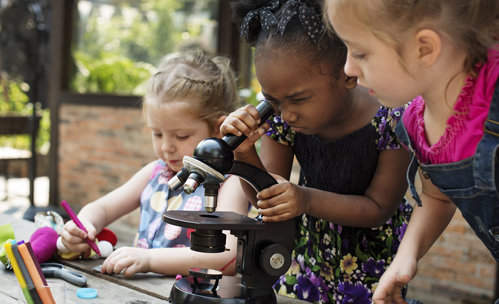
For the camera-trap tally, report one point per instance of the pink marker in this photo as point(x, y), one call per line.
point(75, 219)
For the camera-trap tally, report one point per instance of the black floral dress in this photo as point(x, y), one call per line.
point(333, 263)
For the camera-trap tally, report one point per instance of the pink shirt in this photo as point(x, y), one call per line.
point(465, 127)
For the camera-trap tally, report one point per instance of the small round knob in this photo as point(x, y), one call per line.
point(275, 260)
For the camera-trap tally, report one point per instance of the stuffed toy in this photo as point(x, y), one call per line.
point(43, 241)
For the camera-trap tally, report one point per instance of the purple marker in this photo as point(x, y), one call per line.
point(75, 219)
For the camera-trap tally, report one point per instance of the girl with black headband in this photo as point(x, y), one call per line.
point(352, 214)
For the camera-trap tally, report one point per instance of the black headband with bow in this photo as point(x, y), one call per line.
point(267, 18)
point(309, 19)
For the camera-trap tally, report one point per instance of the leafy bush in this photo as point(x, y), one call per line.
point(15, 101)
point(109, 73)
point(116, 45)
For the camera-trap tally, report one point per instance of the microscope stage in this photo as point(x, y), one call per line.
point(218, 220)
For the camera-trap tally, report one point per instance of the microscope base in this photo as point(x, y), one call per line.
point(229, 291)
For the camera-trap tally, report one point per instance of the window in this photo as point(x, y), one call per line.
point(116, 44)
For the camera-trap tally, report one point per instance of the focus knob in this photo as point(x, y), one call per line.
point(275, 260)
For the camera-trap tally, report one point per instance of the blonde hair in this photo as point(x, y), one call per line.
point(208, 82)
point(472, 25)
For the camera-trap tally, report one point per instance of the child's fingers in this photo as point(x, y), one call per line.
point(122, 261)
point(114, 264)
point(389, 289)
point(74, 244)
point(271, 191)
point(397, 291)
point(122, 266)
point(91, 233)
point(253, 112)
point(248, 116)
point(227, 127)
point(269, 207)
point(73, 230)
point(70, 238)
point(272, 202)
point(75, 247)
point(390, 297)
point(110, 262)
point(274, 209)
point(279, 217)
point(132, 269)
point(106, 264)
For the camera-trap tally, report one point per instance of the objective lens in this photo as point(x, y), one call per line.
point(193, 182)
point(178, 180)
point(190, 185)
point(210, 203)
point(174, 183)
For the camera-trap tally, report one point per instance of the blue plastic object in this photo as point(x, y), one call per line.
point(86, 293)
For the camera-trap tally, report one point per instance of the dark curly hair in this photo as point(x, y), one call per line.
point(327, 48)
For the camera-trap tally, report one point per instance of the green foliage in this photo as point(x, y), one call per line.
point(249, 96)
point(115, 52)
point(43, 138)
point(14, 101)
point(110, 73)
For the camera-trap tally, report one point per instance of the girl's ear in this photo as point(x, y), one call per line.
point(429, 46)
point(350, 82)
point(218, 123)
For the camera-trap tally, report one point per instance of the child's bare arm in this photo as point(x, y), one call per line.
point(372, 209)
point(426, 225)
point(103, 211)
point(428, 221)
point(172, 261)
point(169, 261)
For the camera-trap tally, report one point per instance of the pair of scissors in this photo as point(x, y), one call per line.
point(57, 270)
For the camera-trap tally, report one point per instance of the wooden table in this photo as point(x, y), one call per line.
point(148, 287)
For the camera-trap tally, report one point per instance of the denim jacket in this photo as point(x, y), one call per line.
point(472, 183)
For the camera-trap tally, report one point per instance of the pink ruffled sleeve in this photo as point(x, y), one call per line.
point(465, 128)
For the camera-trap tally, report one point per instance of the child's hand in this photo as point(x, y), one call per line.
point(245, 121)
point(282, 201)
point(398, 274)
point(127, 260)
point(74, 239)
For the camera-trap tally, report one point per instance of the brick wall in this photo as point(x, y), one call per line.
point(458, 269)
point(100, 149)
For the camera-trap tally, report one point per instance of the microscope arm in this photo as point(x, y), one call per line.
point(255, 176)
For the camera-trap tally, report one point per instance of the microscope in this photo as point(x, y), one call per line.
point(263, 249)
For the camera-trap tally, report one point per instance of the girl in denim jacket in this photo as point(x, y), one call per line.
point(444, 56)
